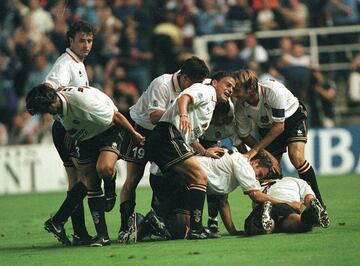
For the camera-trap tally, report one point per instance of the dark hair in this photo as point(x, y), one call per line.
point(195, 69)
point(222, 74)
point(264, 160)
point(39, 99)
point(79, 26)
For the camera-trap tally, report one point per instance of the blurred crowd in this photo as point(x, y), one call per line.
point(137, 40)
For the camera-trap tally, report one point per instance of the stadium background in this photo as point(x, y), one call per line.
point(32, 35)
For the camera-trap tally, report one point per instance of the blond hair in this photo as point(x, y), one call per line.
point(246, 79)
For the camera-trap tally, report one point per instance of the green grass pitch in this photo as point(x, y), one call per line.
point(23, 241)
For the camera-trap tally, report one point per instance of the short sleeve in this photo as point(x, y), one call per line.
point(58, 76)
point(244, 173)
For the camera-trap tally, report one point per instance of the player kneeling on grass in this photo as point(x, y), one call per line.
point(267, 217)
point(93, 120)
point(224, 175)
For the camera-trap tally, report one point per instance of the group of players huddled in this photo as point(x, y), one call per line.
point(176, 125)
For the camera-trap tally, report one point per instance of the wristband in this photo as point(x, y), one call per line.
point(183, 115)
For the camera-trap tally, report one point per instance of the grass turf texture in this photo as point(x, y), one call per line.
point(23, 241)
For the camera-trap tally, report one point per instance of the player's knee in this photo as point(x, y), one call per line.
point(199, 177)
point(105, 171)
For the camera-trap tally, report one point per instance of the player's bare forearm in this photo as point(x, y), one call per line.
point(182, 104)
point(225, 213)
point(120, 120)
point(276, 130)
point(260, 197)
point(155, 116)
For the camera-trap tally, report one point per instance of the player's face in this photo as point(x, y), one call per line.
point(224, 88)
point(260, 171)
point(81, 44)
point(240, 94)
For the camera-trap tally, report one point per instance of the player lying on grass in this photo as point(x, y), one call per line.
point(91, 118)
point(224, 175)
point(268, 217)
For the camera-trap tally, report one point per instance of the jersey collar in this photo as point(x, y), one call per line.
point(73, 55)
point(64, 104)
point(175, 82)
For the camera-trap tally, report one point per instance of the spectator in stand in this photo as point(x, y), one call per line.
point(317, 12)
point(40, 18)
point(239, 15)
point(321, 102)
point(209, 20)
point(9, 66)
point(344, 12)
point(266, 16)
point(295, 14)
point(230, 60)
point(253, 51)
point(136, 58)
point(39, 72)
point(297, 71)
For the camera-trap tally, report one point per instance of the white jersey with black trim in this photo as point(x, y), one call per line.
point(228, 173)
point(200, 110)
point(216, 133)
point(288, 189)
point(276, 103)
point(86, 111)
point(68, 70)
point(161, 92)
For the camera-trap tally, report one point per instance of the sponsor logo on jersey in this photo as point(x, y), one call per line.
point(80, 74)
point(155, 103)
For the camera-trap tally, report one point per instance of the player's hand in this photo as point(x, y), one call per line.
point(250, 154)
point(185, 125)
point(139, 138)
point(214, 152)
point(276, 168)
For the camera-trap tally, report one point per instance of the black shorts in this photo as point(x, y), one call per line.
point(58, 135)
point(88, 151)
point(132, 151)
point(279, 213)
point(295, 131)
point(166, 146)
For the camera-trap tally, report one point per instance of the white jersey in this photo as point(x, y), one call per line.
point(228, 173)
point(216, 133)
point(224, 174)
point(200, 110)
point(161, 92)
point(68, 70)
point(276, 103)
point(288, 189)
point(87, 111)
